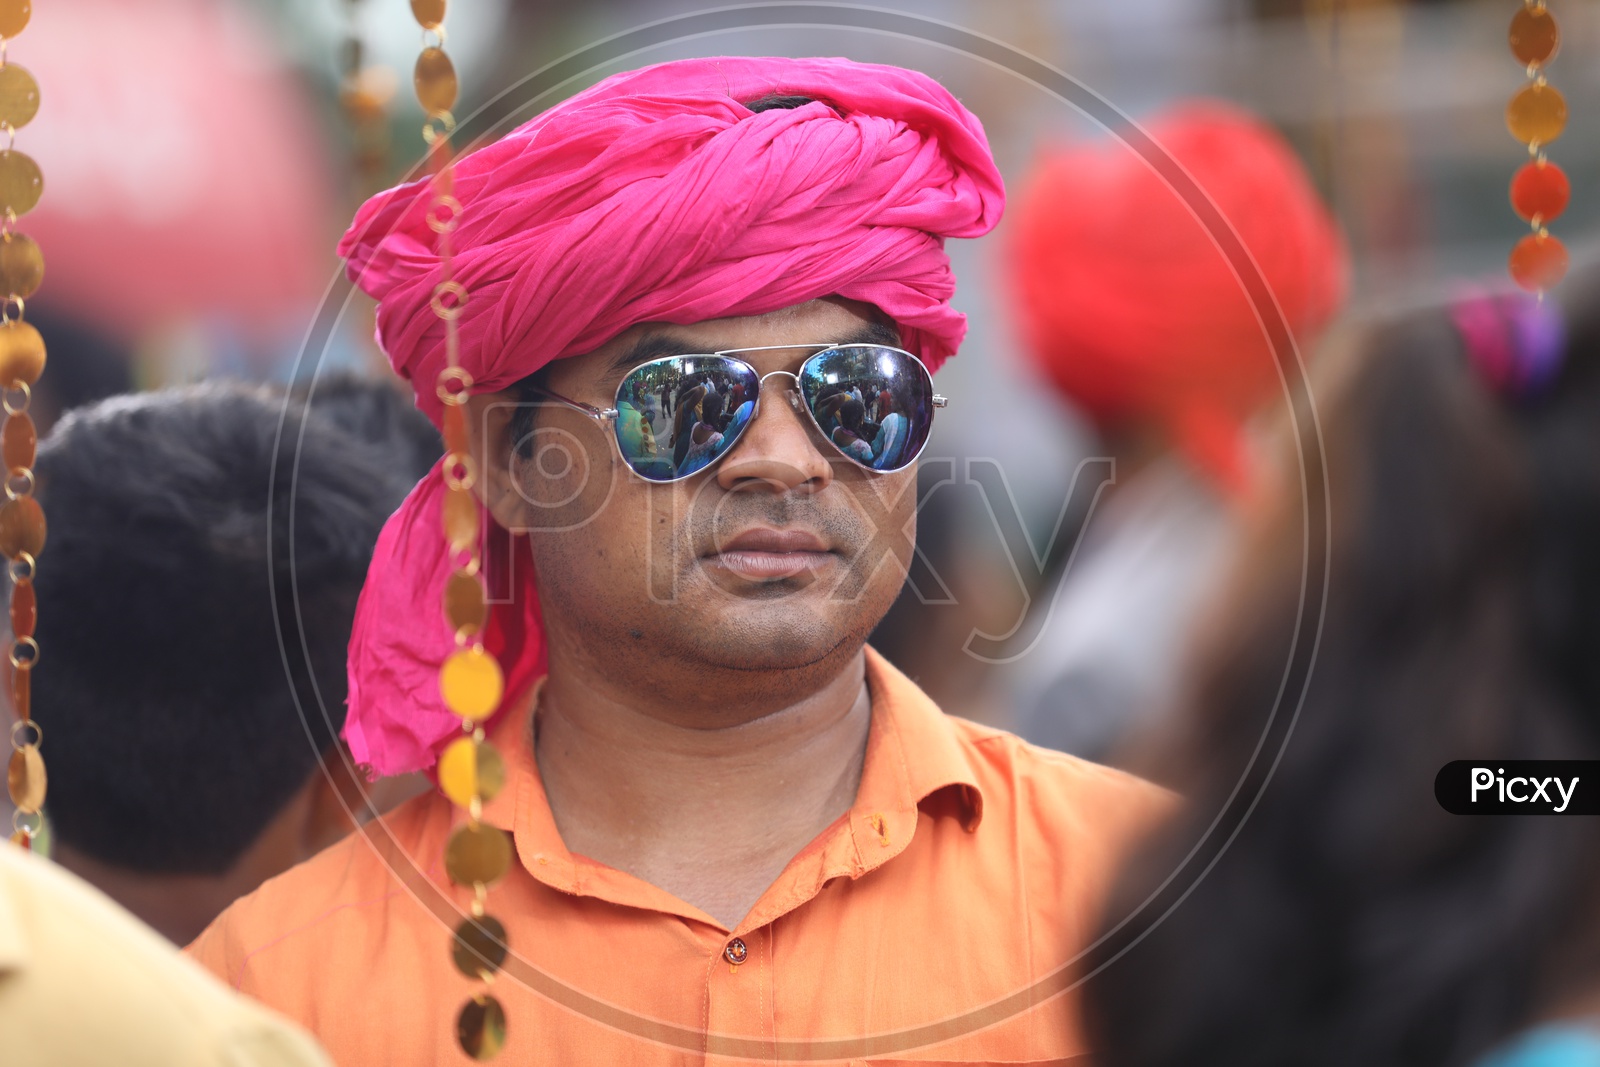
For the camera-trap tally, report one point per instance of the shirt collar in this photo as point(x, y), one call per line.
point(914, 757)
point(915, 763)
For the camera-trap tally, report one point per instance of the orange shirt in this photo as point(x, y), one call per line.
point(930, 924)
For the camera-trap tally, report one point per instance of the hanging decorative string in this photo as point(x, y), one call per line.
point(22, 357)
point(364, 92)
point(1536, 116)
point(471, 683)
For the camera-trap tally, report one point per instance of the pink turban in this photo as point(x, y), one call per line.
point(655, 196)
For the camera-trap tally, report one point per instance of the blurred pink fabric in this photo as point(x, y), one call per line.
point(655, 196)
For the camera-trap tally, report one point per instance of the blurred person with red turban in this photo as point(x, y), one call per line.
point(1132, 312)
point(734, 823)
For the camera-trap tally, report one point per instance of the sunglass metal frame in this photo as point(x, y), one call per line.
point(796, 400)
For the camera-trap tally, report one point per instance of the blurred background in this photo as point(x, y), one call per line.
point(201, 158)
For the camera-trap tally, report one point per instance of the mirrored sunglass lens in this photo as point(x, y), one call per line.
point(679, 414)
point(874, 403)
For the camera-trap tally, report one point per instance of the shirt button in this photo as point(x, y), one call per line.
point(736, 952)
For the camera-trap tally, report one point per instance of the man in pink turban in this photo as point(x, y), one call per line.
point(702, 298)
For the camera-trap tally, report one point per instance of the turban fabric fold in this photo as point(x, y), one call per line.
point(1126, 302)
point(655, 196)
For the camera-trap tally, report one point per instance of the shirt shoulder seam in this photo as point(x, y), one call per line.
point(237, 980)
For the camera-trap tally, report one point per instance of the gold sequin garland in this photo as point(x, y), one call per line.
point(1536, 115)
point(471, 683)
point(365, 92)
point(22, 357)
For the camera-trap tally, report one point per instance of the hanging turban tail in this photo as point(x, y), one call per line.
point(1129, 307)
point(655, 196)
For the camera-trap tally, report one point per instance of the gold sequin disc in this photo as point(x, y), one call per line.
point(24, 610)
point(21, 263)
point(464, 604)
point(477, 852)
point(22, 527)
point(21, 354)
point(19, 96)
point(429, 13)
point(25, 778)
point(471, 683)
point(18, 441)
point(1537, 113)
point(460, 519)
point(1538, 262)
point(22, 693)
point(14, 15)
point(479, 946)
point(435, 79)
point(20, 182)
point(481, 1027)
point(471, 770)
point(455, 423)
point(1534, 37)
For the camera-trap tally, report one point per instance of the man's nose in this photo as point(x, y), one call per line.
point(779, 447)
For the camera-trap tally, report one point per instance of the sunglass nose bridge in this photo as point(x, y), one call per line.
point(792, 390)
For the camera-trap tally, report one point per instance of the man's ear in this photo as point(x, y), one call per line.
point(560, 478)
point(489, 417)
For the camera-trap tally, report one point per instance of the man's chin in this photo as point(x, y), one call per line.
point(775, 638)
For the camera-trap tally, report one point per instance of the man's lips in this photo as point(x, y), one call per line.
point(764, 554)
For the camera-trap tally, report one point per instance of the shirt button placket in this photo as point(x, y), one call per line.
point(739, 996)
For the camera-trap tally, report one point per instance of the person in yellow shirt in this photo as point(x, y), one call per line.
point(83, 982)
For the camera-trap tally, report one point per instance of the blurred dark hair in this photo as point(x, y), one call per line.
point(851, 412)
point(711, 410)
point(380, 413)
point(168, 692)
point(1352, 921)
point(780, 102)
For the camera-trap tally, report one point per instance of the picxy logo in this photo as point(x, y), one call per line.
point(1519, 787)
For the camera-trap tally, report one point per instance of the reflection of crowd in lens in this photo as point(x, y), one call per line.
point(866, 420)
point(673, 423)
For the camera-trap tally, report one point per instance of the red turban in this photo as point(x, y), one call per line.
point(655, 196)
point(1128, 305)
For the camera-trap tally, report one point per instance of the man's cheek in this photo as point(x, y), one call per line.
point(565, 478)
point(886, 506)
point(659, 522)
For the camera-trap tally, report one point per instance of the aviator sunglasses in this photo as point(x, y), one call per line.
point(678, 415)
